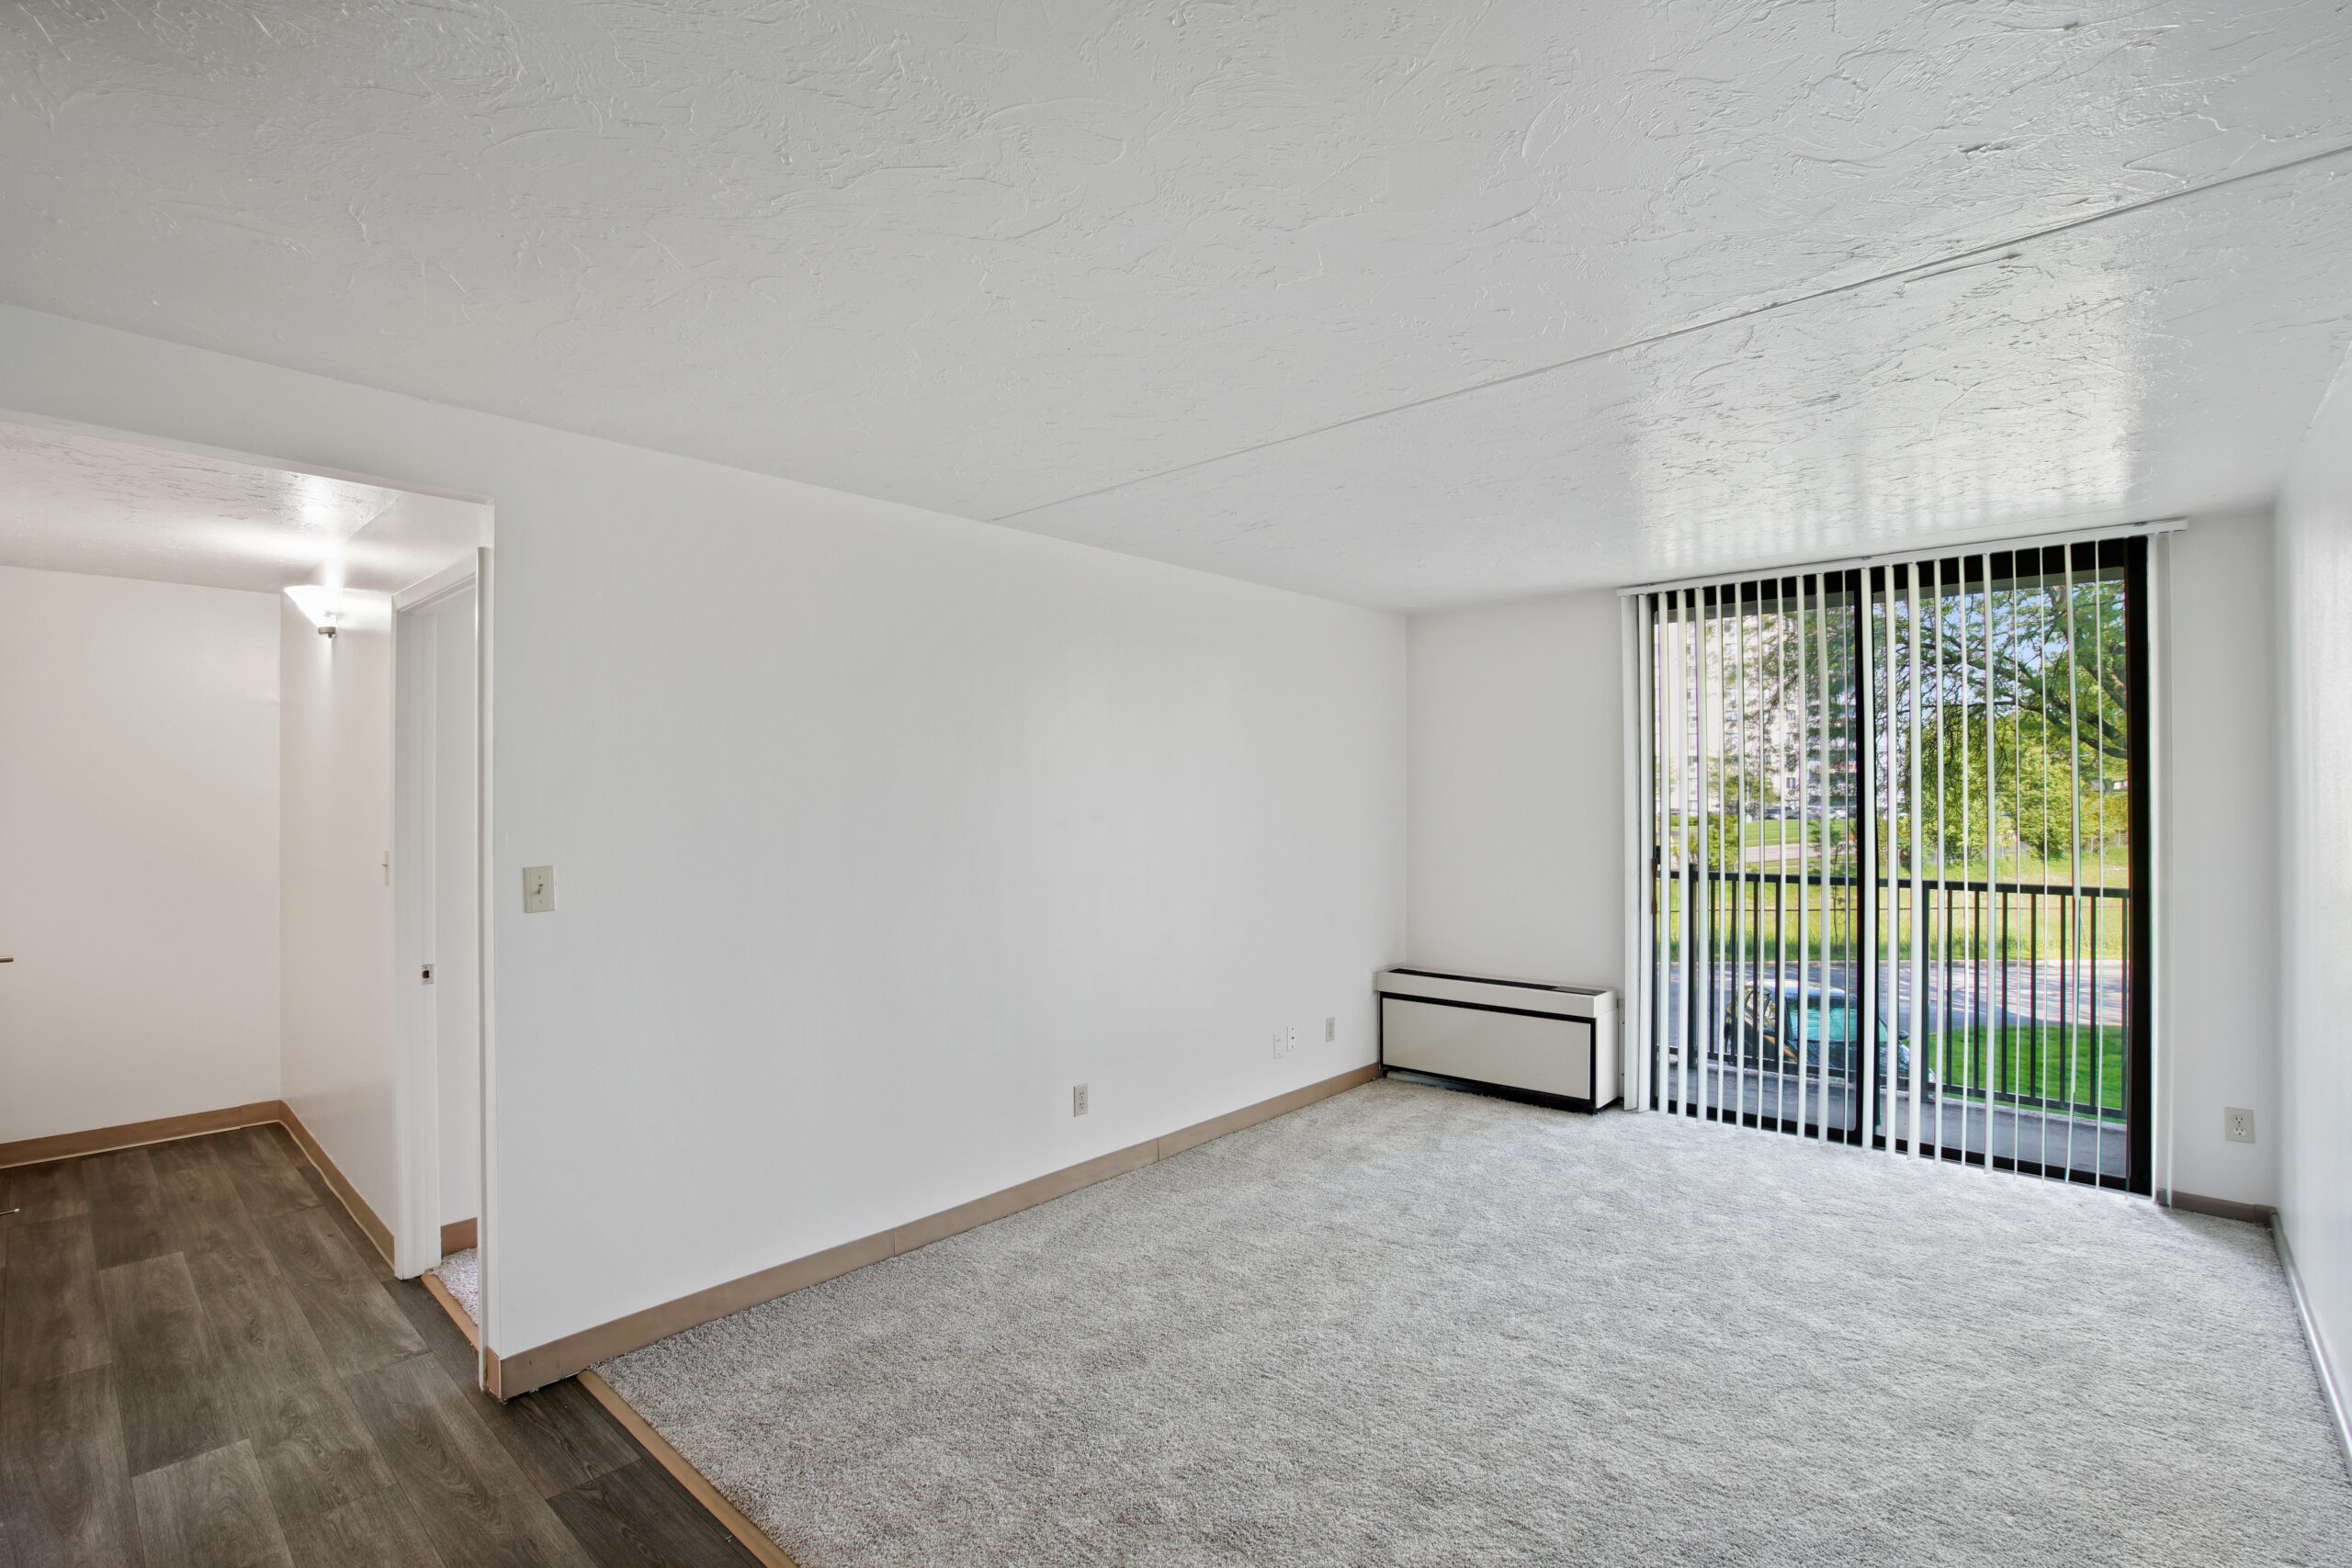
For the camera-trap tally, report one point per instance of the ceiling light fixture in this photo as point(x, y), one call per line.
point(322, 607)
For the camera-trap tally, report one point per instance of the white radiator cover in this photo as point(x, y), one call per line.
point(1532, 1036)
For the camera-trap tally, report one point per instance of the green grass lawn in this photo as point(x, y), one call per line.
point(2033, 1060)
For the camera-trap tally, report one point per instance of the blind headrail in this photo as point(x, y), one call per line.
point(1927, 549)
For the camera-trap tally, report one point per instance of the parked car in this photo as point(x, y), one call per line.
point(1774, 1018)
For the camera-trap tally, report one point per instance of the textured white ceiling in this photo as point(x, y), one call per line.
point(71, 501)
point(1094, 269)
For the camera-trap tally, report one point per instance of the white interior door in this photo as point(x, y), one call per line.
point(439, 968)
point(456, 989)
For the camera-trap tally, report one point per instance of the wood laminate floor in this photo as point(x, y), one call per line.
point(204, 1361)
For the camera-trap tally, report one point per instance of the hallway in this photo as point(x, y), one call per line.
point(204, 1360)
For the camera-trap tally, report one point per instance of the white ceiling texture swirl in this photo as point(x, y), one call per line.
point(1408, 305)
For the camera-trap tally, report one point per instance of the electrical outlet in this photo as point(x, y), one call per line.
point(2237, 1124)
point(538, 889)
point(1290, 1040)
point(1331, 1029)
point(1077, 1100)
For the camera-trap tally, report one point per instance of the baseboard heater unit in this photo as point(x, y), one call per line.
point(1528, 1039)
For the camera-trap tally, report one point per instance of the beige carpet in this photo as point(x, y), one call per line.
point(462, 1271)
point(1412, 1326)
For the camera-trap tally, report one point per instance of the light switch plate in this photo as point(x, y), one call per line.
point(538, 889)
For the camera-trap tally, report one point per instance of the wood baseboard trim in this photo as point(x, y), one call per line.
point(377, 1231)
point(730, 1518)
point(574, 1353)
point(459, 1235)
point(453, 1306)
point(2219, 1207)
point(137, 1134)
point(196, 1125)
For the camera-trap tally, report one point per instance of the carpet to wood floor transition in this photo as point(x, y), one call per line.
point(462, 1272)
point(1412, 1326)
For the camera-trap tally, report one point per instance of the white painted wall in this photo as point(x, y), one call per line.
point(2315, 1080)
point(1517, 843)
point(875, 834)
point(876, 831)
point(1517, 839)
point(336, 1008)
point(139, 801)
point(2221, 772)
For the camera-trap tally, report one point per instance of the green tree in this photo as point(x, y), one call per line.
point(2041, 677)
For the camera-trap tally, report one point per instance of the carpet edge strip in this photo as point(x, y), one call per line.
point(733, 1519)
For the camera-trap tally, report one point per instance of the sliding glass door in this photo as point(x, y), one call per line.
point(1898, 840)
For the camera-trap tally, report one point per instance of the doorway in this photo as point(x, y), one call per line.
point(1899, 831)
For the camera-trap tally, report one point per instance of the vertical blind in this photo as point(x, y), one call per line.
point(1898, 833)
